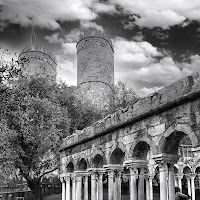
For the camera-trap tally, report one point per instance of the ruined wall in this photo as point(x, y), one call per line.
point(174, 109)
point(95, 67)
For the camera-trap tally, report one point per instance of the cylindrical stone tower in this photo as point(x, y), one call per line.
point(95, 68)
point(37, 60)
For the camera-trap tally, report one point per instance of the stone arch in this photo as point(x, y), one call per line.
point(148, 141)
point(98, 161)
point(70, 167)
point(169, 142)
point(82, 164)
point(118, 145)
point(197, 170)
point(117, 156)
point(187, 170)
point(98, 152)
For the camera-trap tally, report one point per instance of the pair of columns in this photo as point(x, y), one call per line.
point(114, 181)
point(167, 180)
point(137, 172)
point(191, 185)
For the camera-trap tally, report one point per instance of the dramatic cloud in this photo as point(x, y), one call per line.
point(136, 64)
point(44, 13)
point(160, 13)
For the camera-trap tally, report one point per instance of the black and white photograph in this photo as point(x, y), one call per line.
point(99, 100)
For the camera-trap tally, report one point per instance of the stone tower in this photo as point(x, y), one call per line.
point(95, 68)
point(37, 60)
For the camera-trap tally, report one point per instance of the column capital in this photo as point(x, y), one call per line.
point(62, 179)
point(136, 163)
point(167, 158)
point(179, 176)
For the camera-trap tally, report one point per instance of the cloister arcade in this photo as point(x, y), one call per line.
point(137, 155)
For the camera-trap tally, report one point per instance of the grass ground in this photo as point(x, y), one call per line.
point(124, 197)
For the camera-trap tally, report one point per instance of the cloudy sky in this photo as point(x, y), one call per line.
point(156, 42)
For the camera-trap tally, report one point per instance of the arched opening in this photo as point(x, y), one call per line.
point(82, 165)
point(70, 167)
point(98, 161)
point(186, 170)
point(141, 151)
point(117, 156)
point(171, 142)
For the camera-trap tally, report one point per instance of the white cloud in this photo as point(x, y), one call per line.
point(45, 13)
point(135, 64)
point(161, 13)
point(164, 19)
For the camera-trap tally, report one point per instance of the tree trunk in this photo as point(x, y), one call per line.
point(35, 186)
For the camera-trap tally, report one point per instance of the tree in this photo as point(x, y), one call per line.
point(123, 96)
point(36, 123)
point(39, 113)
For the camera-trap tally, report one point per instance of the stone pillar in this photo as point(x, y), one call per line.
point(189, 185)
point(141, 184)
point(171, 182)
point(110, 184)
point(163, 180)
point(147, 188)
point(133, 183)
point(93, 185)
point(193, 186)
point(150, 187)
point(100, 186)
point(118, 185)
point(86, 187)
point(73, 187)
point(179, 177)
point(167, 185)
point(68, 188)
point(79, 187)
point(63, 188)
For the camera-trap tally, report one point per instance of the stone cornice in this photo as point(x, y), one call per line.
point(173, 95)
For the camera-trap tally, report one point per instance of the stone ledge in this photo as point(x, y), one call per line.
point(170, 96)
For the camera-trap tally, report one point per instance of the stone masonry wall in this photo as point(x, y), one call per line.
point(174, 109)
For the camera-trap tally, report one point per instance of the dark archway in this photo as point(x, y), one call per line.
point(98, 161)
point(171, 143)
point(82, 165)
point(187, 170)
point(141, 151)
point(117, 156)
point(70, 167)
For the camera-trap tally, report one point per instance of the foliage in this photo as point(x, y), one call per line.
point(123, 96)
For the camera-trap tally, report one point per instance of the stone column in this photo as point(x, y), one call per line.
point(150, 187)
point(68, 188)
point(189, 185)
point(86, 187)
point(63, 188)
point(163, 180)
point(79, 187)
point(193, 186)
point(171, 182)
point(110, 184)
point(73, 187)
point(147, 188)
point(179, 177)
point(133, 183)
point(93, 185)
point(118, 185)
point(100, 186)
point(141, 184)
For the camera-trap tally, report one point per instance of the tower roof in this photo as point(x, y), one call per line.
point(34, 46)
point(95, 33)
